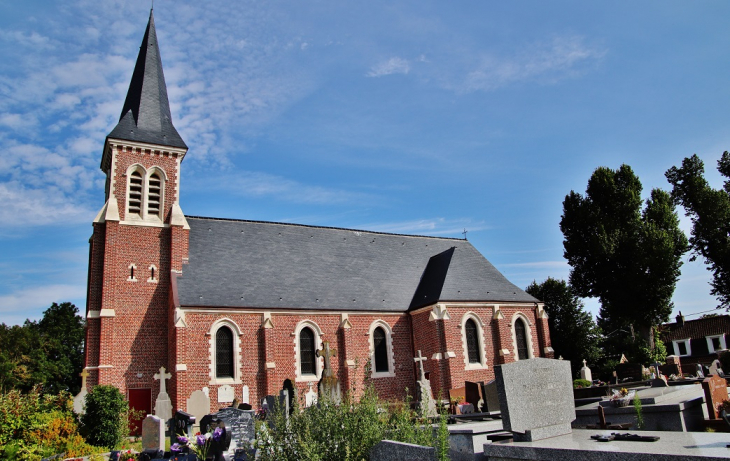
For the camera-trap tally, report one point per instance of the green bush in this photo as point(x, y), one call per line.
point(33, 426)
point(342, 432)
point(578, 383)
point(105, 423)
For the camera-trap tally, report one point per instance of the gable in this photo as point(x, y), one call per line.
point(287, 266)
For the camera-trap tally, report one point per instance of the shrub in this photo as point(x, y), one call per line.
point(340, 432)
point(579, 383)
point(33, 426)
point(105, 422)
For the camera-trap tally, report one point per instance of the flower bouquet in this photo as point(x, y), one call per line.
point(622, 397)
point(200, 446)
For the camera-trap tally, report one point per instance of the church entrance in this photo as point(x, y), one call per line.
point(140, 400)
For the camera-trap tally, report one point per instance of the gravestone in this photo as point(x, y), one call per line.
point(670, 369)
point(198, 405)
point(716, 368)
point(426, 404)
point(473, 394)
point(270, 402)
point(536, 398)
point(700, 371)
point(329, 385)
point(226, 394)
point(206, 423)
point(284, 401)
point(715, 389)
point(80, 398)
point(634, 371)
point(310, 398)
point(585, 372)
point(153, 433)
point(245, 395)
point(491, 396)
point(163, 405)
point(181, 424)
point(241, 425)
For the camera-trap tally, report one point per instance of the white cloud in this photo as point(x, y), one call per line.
point(29, 303)
point(23, 206)
point(432, 226)
point(391, 66)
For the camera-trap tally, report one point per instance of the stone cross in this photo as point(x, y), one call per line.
point(420, 359)
point(84, 374)
point(162, 376)
point(584, 363)
point(327, 353)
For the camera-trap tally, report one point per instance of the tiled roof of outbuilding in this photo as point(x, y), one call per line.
point(287, 266)
point(698, 328)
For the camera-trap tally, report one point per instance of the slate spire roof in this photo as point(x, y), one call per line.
point(146, 113)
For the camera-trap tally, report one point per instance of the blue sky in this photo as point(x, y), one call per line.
point(421, 117)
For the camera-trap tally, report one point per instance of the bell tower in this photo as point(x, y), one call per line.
point(140, 237)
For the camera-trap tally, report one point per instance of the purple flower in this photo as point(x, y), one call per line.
point(182, 439)
point(175, 447)
point(200, 440)
point(217, 433)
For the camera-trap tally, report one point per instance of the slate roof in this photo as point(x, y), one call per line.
point(270, 265)
point(146, 113)
point(698, 328)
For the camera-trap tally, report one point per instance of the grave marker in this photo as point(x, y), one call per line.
point(80, 398)
point(153, 433)
point(240, 424)
point(715, 389)
point(163, 405)
point(226, 394)
point(198, 405)
point(536, 398)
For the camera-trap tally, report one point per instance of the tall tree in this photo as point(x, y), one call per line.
point(626, 257)
point(709, 210)
point(573, 333)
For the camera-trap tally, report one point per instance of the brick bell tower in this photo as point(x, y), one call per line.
point(140, 237)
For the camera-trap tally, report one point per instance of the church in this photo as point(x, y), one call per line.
point(245, 305)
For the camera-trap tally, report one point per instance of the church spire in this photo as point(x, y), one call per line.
point(146, 113)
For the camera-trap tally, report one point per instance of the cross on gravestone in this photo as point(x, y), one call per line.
point(420, 359)
point(585, 363)
point(327, 353)
point(162, 376)
point(80, 398)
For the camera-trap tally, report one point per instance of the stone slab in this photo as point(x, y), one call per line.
point(657, 395)
point(153, 433)
point(536, 397)
point(680, 416)
point(241, 424)
point(688, 446)
point(388, 450)
point(198, 405)
point(226, 394)
point(491, 397)
point(715, 389)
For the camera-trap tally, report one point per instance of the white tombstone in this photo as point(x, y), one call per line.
point(226, 394)
point(153, 433)
point(198, 405)
point(716, 368)
point(80, 398)
point(163, 405)
point(310, 398)
point(207, 392)
point(244, 395)
point(585, 372)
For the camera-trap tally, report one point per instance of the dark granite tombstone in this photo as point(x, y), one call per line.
point(205, 423)
point(473, 395)
point(245, 406)
point(270, 401)
point(240, 426)
point(629, 371)
point(181, 424)
point(670, 369)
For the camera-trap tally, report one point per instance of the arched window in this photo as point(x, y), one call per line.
point(306, 352)
point(135, 194)
point(380, 345)
point(224, 353)
point(154, 195)
point(472, 341)
point(521, 339)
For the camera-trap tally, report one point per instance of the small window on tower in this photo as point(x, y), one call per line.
point(132, 268)
point(153, 197)
point(153, 274)
point(135, 194)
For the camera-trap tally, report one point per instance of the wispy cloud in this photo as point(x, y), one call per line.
point(393, 65)
point(433, 226)
point(546, 62)
point(29, 303)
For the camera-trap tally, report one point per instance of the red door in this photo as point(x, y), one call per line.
point(140, 400)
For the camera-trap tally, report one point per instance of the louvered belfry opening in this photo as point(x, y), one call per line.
point(381, 350)
point(521, 337)
point(135, 193)
point(224, 353)
point(306, 351)
point(472, 341)
point(153, 196)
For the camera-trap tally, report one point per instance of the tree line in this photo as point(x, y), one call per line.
point(627, 253)
point(48, 352)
